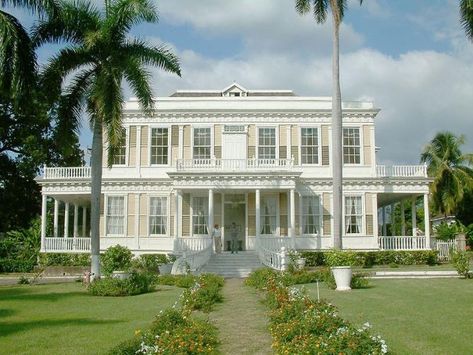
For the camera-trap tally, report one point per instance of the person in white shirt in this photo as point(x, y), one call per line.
point(217, 237)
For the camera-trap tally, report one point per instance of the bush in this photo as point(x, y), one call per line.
point(205, 293)
point(184, 281)
point(116, 258)
point(149, 262)
point(446, 231)
point(63, 259)
point(136, 284)
point(341, 258)
point(313, 258)
point(259, 278)
point(461, 261)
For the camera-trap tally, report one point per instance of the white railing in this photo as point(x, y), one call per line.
point(233, 164)
point(190, 244)
point(82, 172)
point(444, 248)
point(194, 255)
point(271, 253)
point(401, 243)
point(61, 245)
point(401, 171)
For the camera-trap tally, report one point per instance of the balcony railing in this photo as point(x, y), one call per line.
point(402, 243)
point(401, 171)
point(234, 164)
point(82, 172)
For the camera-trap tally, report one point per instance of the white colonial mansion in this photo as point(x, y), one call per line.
point(257, 158)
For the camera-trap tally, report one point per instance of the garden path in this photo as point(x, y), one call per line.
point(241, 320)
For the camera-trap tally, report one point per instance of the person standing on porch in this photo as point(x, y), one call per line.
point(217, 237)
point(234, 236)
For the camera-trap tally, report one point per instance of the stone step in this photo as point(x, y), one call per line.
point(235, 265)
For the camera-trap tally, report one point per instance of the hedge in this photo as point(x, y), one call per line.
point(64, 259)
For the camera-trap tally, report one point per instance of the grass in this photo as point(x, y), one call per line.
point(64, 319)
point(414, 316)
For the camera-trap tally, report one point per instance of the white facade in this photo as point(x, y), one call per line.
point(259, 159)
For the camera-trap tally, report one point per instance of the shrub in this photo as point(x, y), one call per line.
point(205, 293)
point(461, 261)
point(23, 280)
point(149, 262)
point(259, 278)
point(341, 258)
point(313, 258)
point(136, 284)
point(63, 259)
point(184, 281)
point(446, 231)
point(116, 258)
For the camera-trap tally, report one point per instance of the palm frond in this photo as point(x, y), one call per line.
point(139, 78)
point(302, 6)
point(466, 17)
point(40, 7)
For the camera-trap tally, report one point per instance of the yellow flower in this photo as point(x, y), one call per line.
point(137, 332)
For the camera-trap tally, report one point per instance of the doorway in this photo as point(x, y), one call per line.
point(234, 212)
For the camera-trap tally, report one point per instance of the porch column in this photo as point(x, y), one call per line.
point(66, 220)
point(84, 222)
point(426, 221)
point(258, 215)
point(385, 230)
point(44, 215)
point(211, 212)
point(176, 214)
point(56, 218)
point(76, 221)
point(292, 212)
point(391, 217)
point(403, 220)
point(414, 216)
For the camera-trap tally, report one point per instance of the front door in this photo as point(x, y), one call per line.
point(234, 221)
point(234, 148)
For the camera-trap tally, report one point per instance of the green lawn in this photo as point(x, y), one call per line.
point(64, 319)
point(414, 316)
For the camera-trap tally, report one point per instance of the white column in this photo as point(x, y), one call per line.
point(181, 142)
point(385, 228)
point(414, 216)
point(403, 219)
point(211, 212)
point(426, 221)
point(292, 211)
point(258, 214)
point(56, 218)
point(44, 214)
point(391, 217)
point(76, 221)
point(84, 222)
point(138, 150)
point(289, 142)
point(66, 220)
point(176, 214)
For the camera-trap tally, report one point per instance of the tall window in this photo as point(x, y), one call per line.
point(200, 214)
point(268, 215)
point(309, 146)
point(267, 143)
point(202, 144)
point(159, 146)
point(310, 214)
point(157, 215)
point(119, 157)
point(351, 146)
point(353, 215)
point(116, 215)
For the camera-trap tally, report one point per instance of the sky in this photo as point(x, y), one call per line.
point(410, 57)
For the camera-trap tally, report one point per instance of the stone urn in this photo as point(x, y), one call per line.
point(342, 275)
point(121, 275)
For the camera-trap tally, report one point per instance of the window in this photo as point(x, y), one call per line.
point(159, 146)
point(115, 215)
point(351, 145)
point(310, 214)
point(157, 215)
point(353, 215)
point(200, 213)
point(309, 146)
point(267, 143)
point(202, 144)
point(119, 157)
point(268, 215)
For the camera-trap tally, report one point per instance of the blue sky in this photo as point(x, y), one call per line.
point(410, 57)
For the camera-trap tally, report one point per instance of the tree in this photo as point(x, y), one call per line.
point(320, 10)
point(101, 55)
point(450, 169)
point(466, 17)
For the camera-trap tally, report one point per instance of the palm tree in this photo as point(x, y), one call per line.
point(450, 169)
point(320, 10)
point(466, 17)
point(100, 57)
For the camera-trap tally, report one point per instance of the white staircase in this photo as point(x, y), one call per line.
point(231, 265)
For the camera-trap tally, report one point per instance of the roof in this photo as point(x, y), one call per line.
point(234, 89)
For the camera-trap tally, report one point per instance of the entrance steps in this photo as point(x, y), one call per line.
point(231, 265)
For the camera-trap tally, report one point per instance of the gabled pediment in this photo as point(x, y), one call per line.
point(234, 89)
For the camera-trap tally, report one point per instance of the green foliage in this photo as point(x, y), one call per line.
point(23, 280)
point(205, 293)
point(63, 259)
point(259, 278)
point(116, 258)
point(340, 258)
point(149, 262)
point(461, 261)
point(445, 231)
point(184, 281)
point(136, 284)
point(314, 258)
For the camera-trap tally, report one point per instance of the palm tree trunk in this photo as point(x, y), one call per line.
point(96, 191)
point(337, 148)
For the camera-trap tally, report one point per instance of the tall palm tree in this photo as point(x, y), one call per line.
point(450, 169)
point(101, 55)
point(466, 17)
point(320, 10)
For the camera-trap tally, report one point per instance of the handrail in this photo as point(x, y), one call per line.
point(401, 171)
point(81, 172)
point(274, 259)
point(233, 164)
point(402, 242)
point(193, 259)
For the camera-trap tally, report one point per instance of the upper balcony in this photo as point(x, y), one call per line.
point(234, 165)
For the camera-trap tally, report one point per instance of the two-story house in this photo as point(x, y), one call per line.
point(256, 158)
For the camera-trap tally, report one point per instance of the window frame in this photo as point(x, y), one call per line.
point(192, 234)
point(362, 215)
point(277, 229)
point(127, 147)
point(125, 214)
point(168, 127)
point(211, 127)
point(319, 145)
point(360, 132)
point(276, 145)
point(319, 226)
point(167, 225)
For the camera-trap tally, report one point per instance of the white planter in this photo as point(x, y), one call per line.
point(165, 269)
point(122, 275)
point(300, 263)
point(342, 276)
